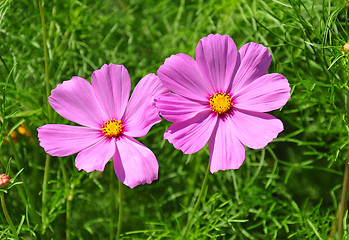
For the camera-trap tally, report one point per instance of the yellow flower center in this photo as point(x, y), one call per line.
point(220, 102)
point(112, 128)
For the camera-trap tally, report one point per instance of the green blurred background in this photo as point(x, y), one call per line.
point(290, 189)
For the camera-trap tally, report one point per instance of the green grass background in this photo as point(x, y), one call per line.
point(289, 190)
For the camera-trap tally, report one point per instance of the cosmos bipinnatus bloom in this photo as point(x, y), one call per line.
point(110, 121)
point(221, 98)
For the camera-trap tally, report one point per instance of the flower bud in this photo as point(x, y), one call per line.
point(4, 180)
point(346, 48)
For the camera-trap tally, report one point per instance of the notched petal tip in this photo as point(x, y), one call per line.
point(254, 129)
point(111, 85)
point(214, 36)
point(226, 150)
point(267, 93)
point(74, 100)
point(135, 184)
point(134, 164)
point(214, 170)
point(64, 140)
point(253, 62)
point(216, 57)
point(191, 135)
point(181, 75)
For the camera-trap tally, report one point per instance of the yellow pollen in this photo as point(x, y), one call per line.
point(112, 128)
point(220, 102)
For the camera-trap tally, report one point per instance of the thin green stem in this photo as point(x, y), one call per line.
point(44, 220)
point(120, 211)
point(198, 201)
point(343, 204)
point(64, 172)
point(47, 82)
point(192, 180)
point(342, 208)
point(52, 24)
point(68, 213)
point(344, 199)
point(7, 216)
point(10, 73)
point(69, 194)
point(112, 203)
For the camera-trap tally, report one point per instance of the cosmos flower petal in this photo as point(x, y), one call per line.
point(111, 85)
point(226, 150)
point(181, 75)
point(75, 101)
point(175, 108)
point(254, 129)
point(253, 62)
point(96, 156)
point(134, 163)
point(267, 93)
point(141, 113)
point(192, 135)
point(63, 140)
point(216, 57)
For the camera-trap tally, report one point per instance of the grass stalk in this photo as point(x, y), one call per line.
point(44, 220)
point(64, 172)
point(7, 216)
point(120, 211)
point(344, 199)
point(112, 203)
point(68, 213)
point(69, 195)
point(342, 208)
point(198, 201)
point(192, 180)
point(47, 82)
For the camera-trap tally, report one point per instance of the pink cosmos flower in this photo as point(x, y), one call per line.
point(110, 122)
point(220, 98)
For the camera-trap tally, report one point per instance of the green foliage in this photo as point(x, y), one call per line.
point(290, 189)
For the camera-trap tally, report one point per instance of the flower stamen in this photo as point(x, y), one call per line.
point(112, 128)
point(220, 102)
